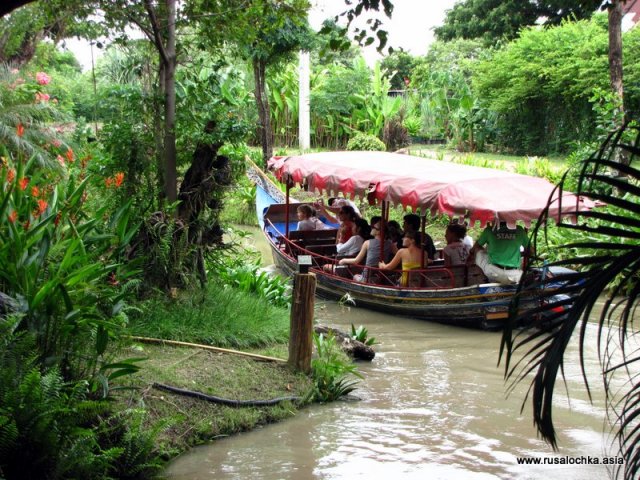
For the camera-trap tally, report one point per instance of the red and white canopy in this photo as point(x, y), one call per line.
point(482, 194)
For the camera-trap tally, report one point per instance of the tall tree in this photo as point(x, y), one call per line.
point(494, 20)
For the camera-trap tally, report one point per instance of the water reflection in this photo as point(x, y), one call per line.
point(432, 406)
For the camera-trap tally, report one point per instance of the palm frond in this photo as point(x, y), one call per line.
point(604, 251)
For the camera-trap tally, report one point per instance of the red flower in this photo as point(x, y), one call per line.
point(69, 155)
point(20, 130)
point(11, 174)
point(108, 182)
point(57, 220)
point(118, 179)
point(23, 183)
point(42, 206)
point(35, 192)
point(13, 216)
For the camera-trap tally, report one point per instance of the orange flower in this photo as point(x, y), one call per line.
point(42, 206)
point(13, 216)
point(108, 182)
point(20, 130)
point(35, 192)
point(11, 174)
point(118, 179)
point(23, 183)
point(69, 155)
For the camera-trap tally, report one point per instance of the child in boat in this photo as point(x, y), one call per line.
point(410, 256)
point(457, 251)
point(307, 219)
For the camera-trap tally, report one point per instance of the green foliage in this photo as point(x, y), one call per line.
point(51, 429)
point(64, 264)
point(332, 370)
point(361, 334)
point(539, 167)
point(364, 141)
point(217, 315)
point(493, 20)
point(543, 85)
point(235, 271)
point(398, 67)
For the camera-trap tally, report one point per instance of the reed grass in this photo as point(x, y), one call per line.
point(217, 316)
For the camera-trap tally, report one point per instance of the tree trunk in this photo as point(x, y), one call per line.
point(171, 175)
point(615, 68)
point(158, 135)
point(615, 49)
point(264, 116)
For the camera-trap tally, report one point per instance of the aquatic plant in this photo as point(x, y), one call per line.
point(332, 371)
point(361, 334)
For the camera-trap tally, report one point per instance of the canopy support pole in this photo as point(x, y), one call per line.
point(383, 224)
point(286, 215)
point(423, 226)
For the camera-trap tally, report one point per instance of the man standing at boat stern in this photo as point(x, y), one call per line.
point(501, 259)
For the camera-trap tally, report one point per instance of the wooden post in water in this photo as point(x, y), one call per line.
point(301, 321)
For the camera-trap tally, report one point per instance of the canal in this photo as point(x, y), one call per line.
point(432, 405)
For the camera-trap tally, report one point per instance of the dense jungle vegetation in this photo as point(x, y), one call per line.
point(122, 186)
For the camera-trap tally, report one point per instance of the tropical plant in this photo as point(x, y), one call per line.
point(605, 251)
point(332, 370)
point(62, 264)
point(362, 335)
point(234, 271)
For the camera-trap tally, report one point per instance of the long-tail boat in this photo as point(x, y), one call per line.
point(458, 295)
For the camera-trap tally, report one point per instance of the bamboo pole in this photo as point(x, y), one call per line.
point(207, 347)
point(301, 322)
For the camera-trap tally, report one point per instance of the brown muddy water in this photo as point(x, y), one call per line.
point(432, 405)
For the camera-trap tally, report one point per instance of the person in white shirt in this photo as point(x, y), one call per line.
point(335, 203)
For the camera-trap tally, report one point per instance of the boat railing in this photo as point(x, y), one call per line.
point(430, 278)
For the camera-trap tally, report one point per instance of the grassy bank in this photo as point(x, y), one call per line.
point(218, 316)
point(221, 317)
point(182, 421)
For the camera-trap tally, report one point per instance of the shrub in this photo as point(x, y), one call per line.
point(363, 141)
point(395, 134)
point(64, 265)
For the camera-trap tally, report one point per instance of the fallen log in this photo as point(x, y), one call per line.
point(354, 348)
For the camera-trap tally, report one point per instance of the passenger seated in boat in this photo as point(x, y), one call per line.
point(351, 247)
point(307, 219)
point(501, 260)
point(395, 233)
point(412, 223)
point(370, 253)
point(346, 218)
point(456, 252)
point(409, 257)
